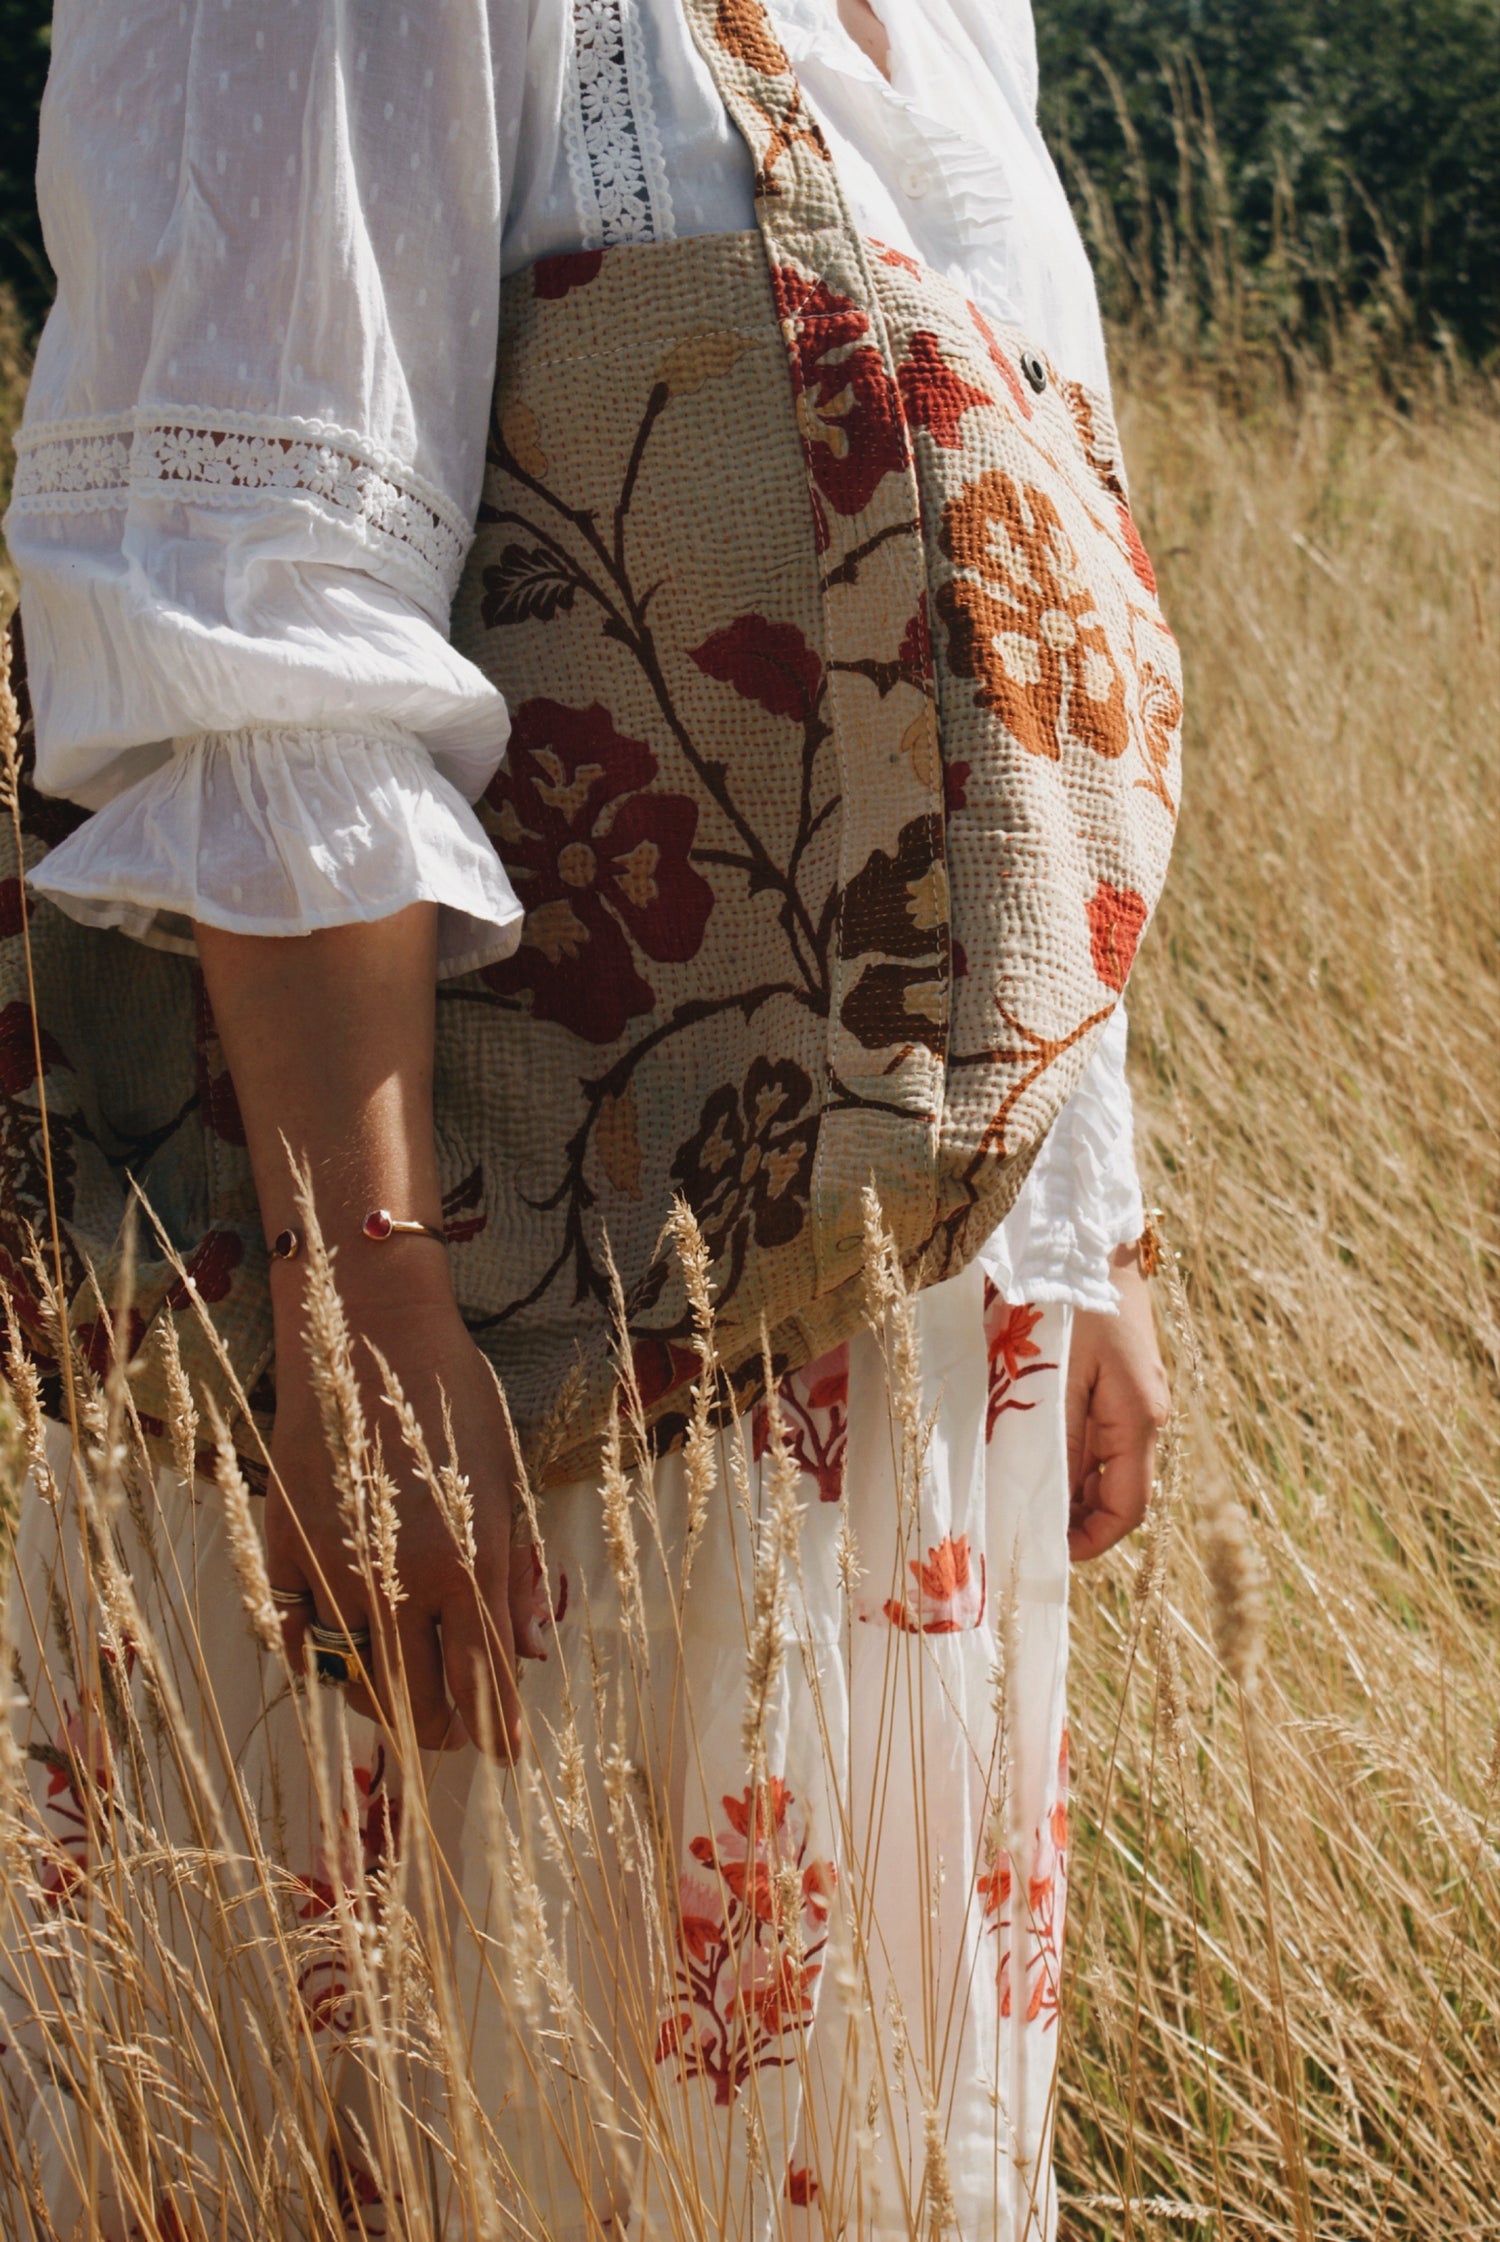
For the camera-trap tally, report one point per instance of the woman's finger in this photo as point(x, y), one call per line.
point(287, 1571)
point(409, 1666)
point(528, 1599)
point(479, 1663)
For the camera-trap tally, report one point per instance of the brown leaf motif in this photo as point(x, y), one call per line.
point(526, 585)
point(897, 1004)
point(747, 1168)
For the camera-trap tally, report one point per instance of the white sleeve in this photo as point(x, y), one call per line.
point(1082, 1197)
point(251, 460)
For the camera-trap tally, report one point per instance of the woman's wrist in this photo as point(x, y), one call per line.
point(372, 1281)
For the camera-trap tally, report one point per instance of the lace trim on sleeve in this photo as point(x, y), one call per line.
point(95, 466)
point(614, 145)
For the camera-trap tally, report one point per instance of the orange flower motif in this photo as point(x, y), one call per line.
point(1032, 1948)
point(1010, 1341)
point(745, 1975)
point(1023, 622)
point(1013, 1353)
point(950, 1592)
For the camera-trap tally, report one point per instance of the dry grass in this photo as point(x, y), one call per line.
point(1315, 1047)
point(1283, 2010)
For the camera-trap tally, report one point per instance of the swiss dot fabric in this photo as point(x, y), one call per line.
point(253, 445)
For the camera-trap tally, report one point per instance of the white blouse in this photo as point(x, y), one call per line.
point(253, 446)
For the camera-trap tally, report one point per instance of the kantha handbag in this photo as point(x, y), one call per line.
point(841, 787)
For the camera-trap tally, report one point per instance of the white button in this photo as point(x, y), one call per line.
point(916, 179)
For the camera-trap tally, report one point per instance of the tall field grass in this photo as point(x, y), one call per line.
point(1281, 2008)
point(1285, 1991)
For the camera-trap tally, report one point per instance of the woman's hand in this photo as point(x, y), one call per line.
point(464, 1614)
point(1118, 1403)
point(329, 1038)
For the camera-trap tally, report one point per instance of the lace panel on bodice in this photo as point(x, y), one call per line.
point(614, 147)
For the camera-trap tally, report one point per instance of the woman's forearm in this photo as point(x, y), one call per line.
point(329, 1040)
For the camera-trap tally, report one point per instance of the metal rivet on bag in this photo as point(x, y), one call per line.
point(1034, 370)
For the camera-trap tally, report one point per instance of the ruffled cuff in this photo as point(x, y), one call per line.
point(1082, 1197)
point(284, 832)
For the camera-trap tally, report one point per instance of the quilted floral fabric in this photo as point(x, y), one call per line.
point(840, 790)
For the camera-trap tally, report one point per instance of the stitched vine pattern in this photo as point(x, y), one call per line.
point(841, 787)
point(615, 868)
point(635, 839)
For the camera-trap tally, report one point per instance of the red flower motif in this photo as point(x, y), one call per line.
point(801, 2187)
point(933, 395)
point(1117, 918)
point(464, 1216)
point(896, 257)
point(815, 1411)
point(1140, 559)
point(97, 1346)
point(210, 1270)
point(661, 1366)
point(362, 1851)
point(168, 2223)
point(770, 663)
point(553, 277)
point(1001, 362)
point(16, 907)
point(601, 866)
point(848, 409)
point(18, 1049)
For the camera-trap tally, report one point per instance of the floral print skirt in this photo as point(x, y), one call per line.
point(762, 1941)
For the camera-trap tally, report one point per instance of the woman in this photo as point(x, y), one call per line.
point(252, 455)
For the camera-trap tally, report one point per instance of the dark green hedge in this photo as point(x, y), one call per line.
point(25, 27)
point(1379, 118)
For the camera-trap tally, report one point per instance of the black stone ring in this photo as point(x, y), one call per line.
point(336, 1653)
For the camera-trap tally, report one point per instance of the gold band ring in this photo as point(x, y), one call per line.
point(291, 1599)
point(336, 1653)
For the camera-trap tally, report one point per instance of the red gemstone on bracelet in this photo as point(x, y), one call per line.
point(285, 1245)
point(379, 1222)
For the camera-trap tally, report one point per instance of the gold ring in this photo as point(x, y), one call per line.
point(336, 1653)
point(291, 1599)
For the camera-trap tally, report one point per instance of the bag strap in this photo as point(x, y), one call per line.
point(883, 1110)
